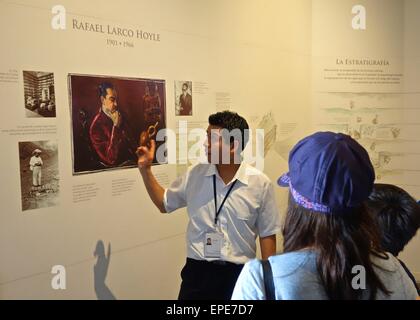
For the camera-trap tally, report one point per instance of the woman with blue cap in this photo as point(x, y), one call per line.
point(331, 244)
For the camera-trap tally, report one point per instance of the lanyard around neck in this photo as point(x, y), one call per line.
point(217, 211)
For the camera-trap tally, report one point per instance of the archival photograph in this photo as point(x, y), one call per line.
point(39, 94)
point(111, 118)
point(39, 174)
point(183, 98)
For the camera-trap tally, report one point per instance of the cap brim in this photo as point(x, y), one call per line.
point(284, 180)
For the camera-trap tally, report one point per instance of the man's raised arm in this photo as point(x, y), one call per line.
point(144, 162)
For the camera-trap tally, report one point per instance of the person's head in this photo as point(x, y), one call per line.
point(146, 90)
point(397, 214)
point(330, 177)
point(227, 134)
point(108, 96)
point(185, 88)
point(36, 153)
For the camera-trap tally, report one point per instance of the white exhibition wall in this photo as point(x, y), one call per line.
point(263, 59)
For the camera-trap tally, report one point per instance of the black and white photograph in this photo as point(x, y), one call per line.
point(39, 175)
point(183, 98)
point(39, 94)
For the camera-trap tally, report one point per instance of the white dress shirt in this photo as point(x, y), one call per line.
point(35, 161)
point(249, 211)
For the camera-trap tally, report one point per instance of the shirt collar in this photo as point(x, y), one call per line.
point(240, 175)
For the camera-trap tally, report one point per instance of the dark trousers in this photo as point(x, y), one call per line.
point(204, 280)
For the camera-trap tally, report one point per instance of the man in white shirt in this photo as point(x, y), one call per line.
point(35, 164)
point(229, 205)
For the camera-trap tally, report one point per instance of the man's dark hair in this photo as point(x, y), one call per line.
point(230, 121)
point(185, 84)
point(397, 214)
point(102, 88)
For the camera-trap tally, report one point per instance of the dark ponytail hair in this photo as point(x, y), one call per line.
point(341, 242)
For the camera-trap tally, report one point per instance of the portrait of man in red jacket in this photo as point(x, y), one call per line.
point(109, 132)
point(110, 116)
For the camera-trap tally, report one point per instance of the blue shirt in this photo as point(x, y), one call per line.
point(296, 277)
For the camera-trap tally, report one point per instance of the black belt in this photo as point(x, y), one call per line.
point(215, 262)
point(219, 262)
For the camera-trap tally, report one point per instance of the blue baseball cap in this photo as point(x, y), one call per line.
point(329, 172)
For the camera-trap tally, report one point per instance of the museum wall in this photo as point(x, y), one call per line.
point(237, 55)
point(411, 57)
point(284, 65)
point(365, 83)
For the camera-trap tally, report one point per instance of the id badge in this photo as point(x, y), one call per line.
point(213, 245)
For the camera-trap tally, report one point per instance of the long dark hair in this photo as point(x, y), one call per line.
point(341, 242)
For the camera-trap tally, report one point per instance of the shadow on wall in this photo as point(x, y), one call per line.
point(100, 270)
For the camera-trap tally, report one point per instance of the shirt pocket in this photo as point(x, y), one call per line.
point(246, 207)
point(246, 213)
point(243, 214)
